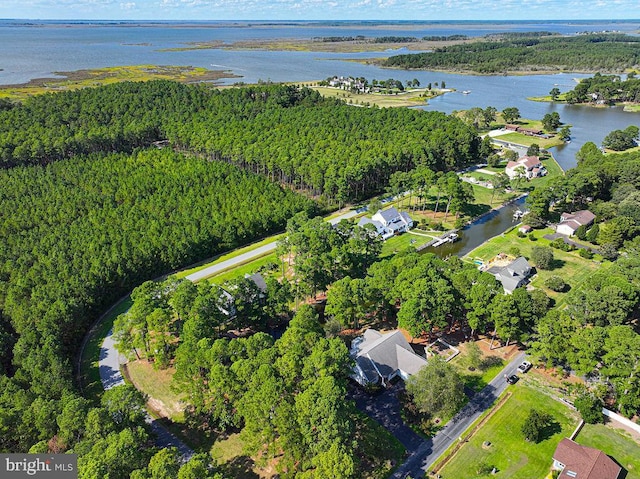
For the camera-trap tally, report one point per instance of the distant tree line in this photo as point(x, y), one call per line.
point(605, 89)
point(596, 52)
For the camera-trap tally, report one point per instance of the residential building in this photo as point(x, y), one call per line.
point(389, 222)
point(513, 275)
point(381, 357)
point(530, 166)
point(581, 462)
point(570, 222)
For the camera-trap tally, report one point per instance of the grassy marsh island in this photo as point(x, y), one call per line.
point(103, 76)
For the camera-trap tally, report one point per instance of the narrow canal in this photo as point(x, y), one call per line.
point(486, 227)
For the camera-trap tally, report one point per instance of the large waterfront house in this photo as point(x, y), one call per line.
point(512, 275)
point(570, 222)
point(580, 462)
point(389, 222)
point(381, 357)
point(529, 166)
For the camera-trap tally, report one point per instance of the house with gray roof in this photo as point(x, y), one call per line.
point(381, 357)
point(513, 275)
point(389, 222)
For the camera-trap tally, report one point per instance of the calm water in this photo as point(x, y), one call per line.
point(37, 49)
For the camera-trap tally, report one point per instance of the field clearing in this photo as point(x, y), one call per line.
point(156, 383)
point(525, 140)
point(614, 442)
point(415, 97)
point(509, 452)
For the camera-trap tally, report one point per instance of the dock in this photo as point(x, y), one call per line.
point(448, 237)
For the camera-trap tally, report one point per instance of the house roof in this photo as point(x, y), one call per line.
point(582, 217)
point(583, 462)
point(512, 164)
point(258, 279)
point(365, 221)
point(386, 353)
point(529, 161)
point(389, 214)
point(512, 274)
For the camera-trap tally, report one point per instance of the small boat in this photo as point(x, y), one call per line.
point(466, 92)
point(517, 214)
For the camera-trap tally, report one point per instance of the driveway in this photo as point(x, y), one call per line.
point(384, 408)
point(426, 454)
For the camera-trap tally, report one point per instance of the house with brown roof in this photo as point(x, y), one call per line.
point(381, 357)
point(570, 222)
point(580, 462)
point(531, 166)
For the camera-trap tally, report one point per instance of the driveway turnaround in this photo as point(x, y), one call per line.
point(427, 453)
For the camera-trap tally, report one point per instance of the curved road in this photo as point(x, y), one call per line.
point(110, 360)
point(427, 453)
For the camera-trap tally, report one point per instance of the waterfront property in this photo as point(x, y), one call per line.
point(570, 222)
point(513, 274)
point(382, 357)
point(530, 166)
point(389, 222)
point(575, 461)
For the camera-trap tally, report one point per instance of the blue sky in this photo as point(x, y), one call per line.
point(321, 9)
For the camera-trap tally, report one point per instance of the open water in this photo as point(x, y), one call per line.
point(34, 49)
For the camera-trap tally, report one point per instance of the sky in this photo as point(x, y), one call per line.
point(321, 9)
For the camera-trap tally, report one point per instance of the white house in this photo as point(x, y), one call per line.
point(570, 222)
point(381, 357)
point(389, 222)
point(530, 165)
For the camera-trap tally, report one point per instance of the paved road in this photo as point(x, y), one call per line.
point(251, 255)
point(110, 360)
point(426, 454)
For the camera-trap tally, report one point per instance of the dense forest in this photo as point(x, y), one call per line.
point(79, 233)
point(605, 89)
point(586, 53)
point(292, 135)
point(90, 209)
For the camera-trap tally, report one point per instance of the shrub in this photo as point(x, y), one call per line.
point(592, 234)
point(542, 256)
point(514, 251)
point(556, 283)
point(586, 253)
point(534, 425)
point(532, 237)
point(590, 408)
point(521, 234)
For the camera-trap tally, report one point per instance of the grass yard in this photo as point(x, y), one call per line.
point(568, 265)
point(246, 268)
point(89, 367)
point(479, 378)
point(396, 244)
point(509, 453)
point(403, 99)
point(226, 256)
point(614, 442)
point(157, 384)
point(525, 140)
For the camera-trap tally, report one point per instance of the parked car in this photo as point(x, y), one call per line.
point(512, 379)
point(524, 367)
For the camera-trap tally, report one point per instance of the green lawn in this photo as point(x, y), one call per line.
point(246, 268)
point(157, 384)
point(89, 367)
point(526, 140)
point(614, 442)
point(231, 254)
point(509, 453)
point(568, 265)
point(398, 243)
